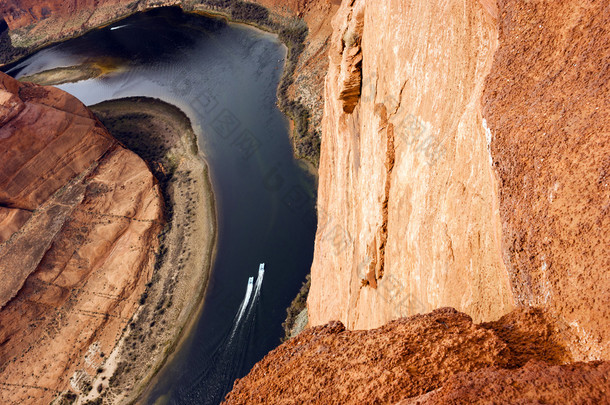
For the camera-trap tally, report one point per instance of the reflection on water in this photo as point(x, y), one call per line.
point(225, 78)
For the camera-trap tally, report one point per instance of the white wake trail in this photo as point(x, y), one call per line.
point(259, 280)
point(257, 288)
point(242, 307)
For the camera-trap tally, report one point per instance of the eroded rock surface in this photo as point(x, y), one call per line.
point(82, 217)
point(537, 382)
point(410, 357)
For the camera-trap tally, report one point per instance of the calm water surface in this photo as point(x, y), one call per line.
point(224, 77)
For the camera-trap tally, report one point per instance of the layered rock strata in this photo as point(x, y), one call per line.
point(82, 215)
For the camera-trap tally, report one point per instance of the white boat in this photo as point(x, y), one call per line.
point(259, 279)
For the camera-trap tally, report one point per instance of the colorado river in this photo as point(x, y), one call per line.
point(224, 77)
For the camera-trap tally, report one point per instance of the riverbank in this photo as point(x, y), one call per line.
point(296, 313)
point(162, 135)
point(299, 92)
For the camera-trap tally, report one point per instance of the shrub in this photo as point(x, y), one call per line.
point(298, 304)
point(249, 12)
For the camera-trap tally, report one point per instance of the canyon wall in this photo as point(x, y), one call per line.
point(464, 163)
point(407, 202)
point(546, 104)
point(80, 217)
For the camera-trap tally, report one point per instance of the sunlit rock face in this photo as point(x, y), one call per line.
point(409, 217)
point(465, 163)
point(80, 217)
point(544, 101)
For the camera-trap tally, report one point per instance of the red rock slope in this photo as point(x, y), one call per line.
point(441, 354)
point(79, 216)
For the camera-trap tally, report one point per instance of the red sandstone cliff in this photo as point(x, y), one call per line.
point(409, 217)
point(443, 186)
point(79, 216)
point(546, 104)
point(464, 163)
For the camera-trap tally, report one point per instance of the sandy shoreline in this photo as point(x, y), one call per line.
point(73, 74)
point(162, 135)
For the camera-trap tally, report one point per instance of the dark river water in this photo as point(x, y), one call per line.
point(224, 76)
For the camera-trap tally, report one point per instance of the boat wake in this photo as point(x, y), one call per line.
point(220, 370)
point(118, 27)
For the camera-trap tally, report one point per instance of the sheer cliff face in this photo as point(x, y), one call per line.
point(407, 202)
point(79, 217)
point(425, 201)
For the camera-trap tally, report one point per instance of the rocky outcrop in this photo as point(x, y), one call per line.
point(350, 75)
point(440, 357)
point(408, 214)
point(537, 382)
point(82, 217)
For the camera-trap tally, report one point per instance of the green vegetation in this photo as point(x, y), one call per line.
point(9, 53)
point(296, 307)
point(161, 134)
point(293, 33)
point(67, 398)
point(87, 387)
point(249, 12)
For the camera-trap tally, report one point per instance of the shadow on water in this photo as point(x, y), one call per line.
point(224, 77)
